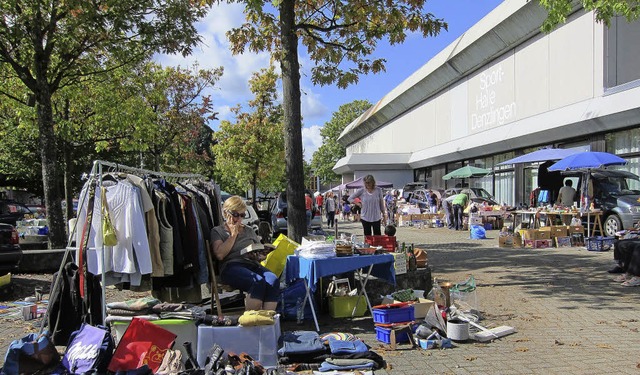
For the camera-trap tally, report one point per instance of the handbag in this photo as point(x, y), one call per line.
point(89, 350)
point(109, 237)
point(30, 354)
point(143, 343)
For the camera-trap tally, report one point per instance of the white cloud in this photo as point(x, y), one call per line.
point(312, 106)
point(311, 140)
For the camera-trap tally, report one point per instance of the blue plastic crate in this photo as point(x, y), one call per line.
point(599, 243)
point(384, 335)
point(393, 314)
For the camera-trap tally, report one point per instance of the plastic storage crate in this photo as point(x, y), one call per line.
point(394, 313)
point(599, 243)
point(384, 335)
point(388, 243)
point(342, 306)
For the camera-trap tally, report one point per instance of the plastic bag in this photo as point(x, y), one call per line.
point(478, 232)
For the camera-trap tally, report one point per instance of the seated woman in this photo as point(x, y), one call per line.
point(243, 272)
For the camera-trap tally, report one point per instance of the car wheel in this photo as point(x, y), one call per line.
point(612, 224)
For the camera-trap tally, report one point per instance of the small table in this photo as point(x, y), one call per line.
point(312, 270)
point(533, 217)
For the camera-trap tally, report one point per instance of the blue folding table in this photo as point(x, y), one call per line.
point(312, 270)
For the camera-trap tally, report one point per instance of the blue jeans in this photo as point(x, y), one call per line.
point(254, 279)
point(308, 218)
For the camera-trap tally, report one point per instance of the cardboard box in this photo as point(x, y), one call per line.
point(543, 244)
point(475, 220)
point(542, 234)
point(558, 231)
point(529, 244)
point(527, 234)
point(576, 229)
point(505, 240)
point(563, 241)
point(517, 240)
point(420, 308)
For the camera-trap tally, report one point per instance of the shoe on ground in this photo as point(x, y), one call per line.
point(622, 278)
point(634, 281)
point(616, 269)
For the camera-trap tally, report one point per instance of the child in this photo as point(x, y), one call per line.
point(390, 230)
point(346, 211)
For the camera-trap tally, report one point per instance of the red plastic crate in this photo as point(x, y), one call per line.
point(388, 243)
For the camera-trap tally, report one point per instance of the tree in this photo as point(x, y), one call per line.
point(250, 152)
point(53, 44)
point(327, 155)
point(340, 38)
point(604, 10)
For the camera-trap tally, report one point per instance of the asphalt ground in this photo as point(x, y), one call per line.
point(570, 317)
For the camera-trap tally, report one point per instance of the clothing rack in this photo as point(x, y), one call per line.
point(97, 172)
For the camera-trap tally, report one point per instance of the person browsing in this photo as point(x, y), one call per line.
point(459, 203)
point(373, 207)
point(243, 271)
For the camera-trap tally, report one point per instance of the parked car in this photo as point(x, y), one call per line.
point(477, 195)
point(420, 196)
point(11, 212)
point(10, 252)
point(619, 203)
point(279, 214)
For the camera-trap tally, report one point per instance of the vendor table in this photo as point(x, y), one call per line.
point(537, 218)
point(312, 270)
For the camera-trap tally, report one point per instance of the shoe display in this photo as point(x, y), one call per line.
point(634, 281)
point(616, 269)
point(622, 278)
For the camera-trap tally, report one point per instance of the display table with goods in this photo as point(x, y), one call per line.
point(313, 269)
point(536, 218)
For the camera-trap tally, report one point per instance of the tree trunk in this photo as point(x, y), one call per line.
point(50, 166)
point(297, 220)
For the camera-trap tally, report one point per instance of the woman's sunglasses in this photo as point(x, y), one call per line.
point(236, 214)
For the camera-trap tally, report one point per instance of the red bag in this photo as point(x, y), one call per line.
point(143, 343)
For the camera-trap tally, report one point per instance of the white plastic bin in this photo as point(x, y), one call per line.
point(260, 342)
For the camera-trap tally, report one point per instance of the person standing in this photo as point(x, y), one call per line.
point(566, 194)
point(432, 201)
point(308, 203)
point(460, 202)
point(330, 209)
point(447, 205)
point(319, 202)
point(373, 207)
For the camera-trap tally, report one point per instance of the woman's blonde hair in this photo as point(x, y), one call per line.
point(369, 180)
point(234, 203)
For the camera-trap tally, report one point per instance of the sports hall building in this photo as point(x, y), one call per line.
point(501, 90)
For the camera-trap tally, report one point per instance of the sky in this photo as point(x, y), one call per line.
point(320, 102)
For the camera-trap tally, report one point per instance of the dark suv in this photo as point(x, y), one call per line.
point(10, 253)
point(620, 205)
point(11, 212)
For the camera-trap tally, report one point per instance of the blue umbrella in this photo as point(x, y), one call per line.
point(542, 155)
point(587, 160)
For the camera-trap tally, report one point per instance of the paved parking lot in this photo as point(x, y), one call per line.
point(569, 316)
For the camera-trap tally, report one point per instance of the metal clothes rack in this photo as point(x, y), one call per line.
point(97, 171)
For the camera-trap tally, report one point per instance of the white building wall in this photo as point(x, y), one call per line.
point(548, 72)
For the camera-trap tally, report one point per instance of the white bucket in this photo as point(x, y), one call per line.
point(457, 330)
